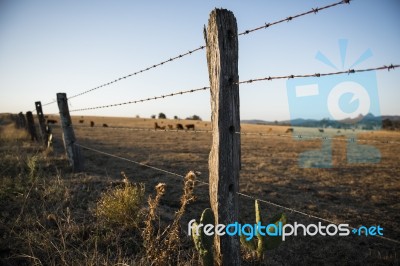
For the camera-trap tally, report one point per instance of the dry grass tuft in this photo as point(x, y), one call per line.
point(121, 205)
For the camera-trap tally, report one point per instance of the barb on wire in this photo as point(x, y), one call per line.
point(287, 19)
point(140, 71)
point(300, 136)
point(142, 100)
point(350, 71)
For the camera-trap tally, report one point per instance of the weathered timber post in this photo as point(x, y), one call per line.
point(42, 122)
point(21, 121)
point(31, 126)
point(224, 161)
point(73, 151)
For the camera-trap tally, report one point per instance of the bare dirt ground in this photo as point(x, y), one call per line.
point(357, 194)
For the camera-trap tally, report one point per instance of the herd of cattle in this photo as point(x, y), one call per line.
point(178, 126)
point(156, 125)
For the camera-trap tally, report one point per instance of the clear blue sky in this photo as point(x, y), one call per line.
point(71, 46)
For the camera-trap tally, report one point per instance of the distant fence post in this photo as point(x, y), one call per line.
point(42, 122)
point(73, 151)
point(224, 161)
point(31, 126)
point(21, 121)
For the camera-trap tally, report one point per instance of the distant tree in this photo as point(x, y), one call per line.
point(194, 117)
point(137, 116)
point(162, 116)
point(153, 116)
point(176, 117)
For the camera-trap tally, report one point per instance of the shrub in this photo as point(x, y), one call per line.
point(162, 116)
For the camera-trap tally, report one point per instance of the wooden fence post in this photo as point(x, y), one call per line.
point(21, 121)
point(42, 122)
point(224, 161)
point(31, 126)
point(73, 151)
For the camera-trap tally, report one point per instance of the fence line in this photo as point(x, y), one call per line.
point(219, 129)
point(239, 193)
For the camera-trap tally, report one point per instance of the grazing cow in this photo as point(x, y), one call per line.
point(81, 121)
point(190, 126)
point(91, 123)
point(156, 126)
point(321, 130)
point(105, 125)
point(170, 126)
point(51, 121)
point(179, 126)
point(289, 130)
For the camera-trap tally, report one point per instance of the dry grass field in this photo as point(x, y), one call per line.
point(357, 194)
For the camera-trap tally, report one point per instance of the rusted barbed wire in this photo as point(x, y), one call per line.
point(293, 210)
point(142, 100)
point(317, 75)
point(140, 71)
point(287, 19)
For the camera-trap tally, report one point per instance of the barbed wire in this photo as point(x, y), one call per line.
point(312, 11)
point(142, 100)
point(300, 136)
point(239, 193)
point(266, 25)
point(351, 71)
point(317, 75)
point(140, 71)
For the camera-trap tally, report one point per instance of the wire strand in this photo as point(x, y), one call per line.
point(142, 100)
point(287, 19)
point(239, 193)
point(317, 75)
point(140, 71)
